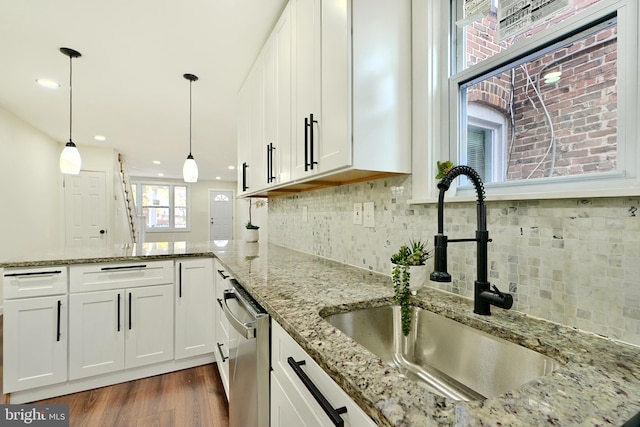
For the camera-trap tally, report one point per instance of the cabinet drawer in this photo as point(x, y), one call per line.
point(100, 277)
point(284, 347)
point(34, 282)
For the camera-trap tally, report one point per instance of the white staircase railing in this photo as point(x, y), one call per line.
point(130, 206)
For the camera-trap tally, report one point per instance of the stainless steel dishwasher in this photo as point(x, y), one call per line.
point(248, 359)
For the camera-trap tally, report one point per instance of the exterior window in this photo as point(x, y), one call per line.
point(538, 96)
point(165, 206)
point(485, 142)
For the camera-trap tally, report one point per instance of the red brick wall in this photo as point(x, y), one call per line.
point(582, 105)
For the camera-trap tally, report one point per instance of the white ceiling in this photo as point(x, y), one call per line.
point(128, 85)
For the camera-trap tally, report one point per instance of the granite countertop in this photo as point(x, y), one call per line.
point(598, 384)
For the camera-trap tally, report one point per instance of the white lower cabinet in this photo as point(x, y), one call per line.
point(293, 402)
point(223, 343)
point(35, 342)
point(195, 307)
point(118, 329)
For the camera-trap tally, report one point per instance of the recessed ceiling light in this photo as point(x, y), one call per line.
point(49, 84)
point(160, 174)
point(217, 177)
point(156, 162)
point(100, 138)
point(231, 167)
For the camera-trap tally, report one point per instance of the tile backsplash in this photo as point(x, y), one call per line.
point(571, 261)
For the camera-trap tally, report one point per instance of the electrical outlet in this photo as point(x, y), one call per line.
point(357, 213)
point(368, 215)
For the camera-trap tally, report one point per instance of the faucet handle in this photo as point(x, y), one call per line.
point(497, 291)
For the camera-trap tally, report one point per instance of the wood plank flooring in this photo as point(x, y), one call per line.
point(189, 398)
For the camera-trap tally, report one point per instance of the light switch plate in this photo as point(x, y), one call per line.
point(368, 214)
point(357, 213)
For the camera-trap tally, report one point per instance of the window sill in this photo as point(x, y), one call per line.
point(584, 194)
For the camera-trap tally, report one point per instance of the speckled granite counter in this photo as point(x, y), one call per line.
point(599, 385)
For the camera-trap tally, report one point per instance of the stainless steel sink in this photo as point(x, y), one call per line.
point(449, 358)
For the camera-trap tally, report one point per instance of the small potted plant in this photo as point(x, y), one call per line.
point(408, 274)
point(252, 233)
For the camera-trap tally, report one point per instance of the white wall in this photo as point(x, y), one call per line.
point(32, 196)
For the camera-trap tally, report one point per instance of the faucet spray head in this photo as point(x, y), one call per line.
point(440, 273)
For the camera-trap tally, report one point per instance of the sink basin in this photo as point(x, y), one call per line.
point(445, 356)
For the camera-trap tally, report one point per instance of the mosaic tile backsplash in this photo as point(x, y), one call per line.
point(571, 261)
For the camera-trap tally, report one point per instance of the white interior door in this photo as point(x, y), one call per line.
point(221, 219)
point(85, 210)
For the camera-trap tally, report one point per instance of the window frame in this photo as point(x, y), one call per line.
point(172, 206)
point(437, 124)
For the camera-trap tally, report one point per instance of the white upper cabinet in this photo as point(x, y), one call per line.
point(277, 103)
point(307, 80)
point(349, 94)
point(250, 132)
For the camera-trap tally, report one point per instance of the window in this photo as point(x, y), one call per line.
point(538, 96)
point(165, 206)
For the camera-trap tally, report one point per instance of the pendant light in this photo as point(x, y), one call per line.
point(70, 161)
point(190, 168)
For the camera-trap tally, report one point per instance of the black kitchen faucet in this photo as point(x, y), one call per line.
point(484, 294)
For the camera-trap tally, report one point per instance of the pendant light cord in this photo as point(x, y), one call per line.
point(190, 107)
point(70, 96)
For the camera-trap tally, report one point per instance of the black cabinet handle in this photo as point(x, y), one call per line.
point(180, 280)
point(124, 267)
point(245, 187)
point(306, 144)
point(33, 273)
point(129, 310)
point(224, 358)
point(118, 312)
point(270, 150)
point(311, 122)
point(269, 163)
point(333, 414)
point(221, 273)
point(58, 321)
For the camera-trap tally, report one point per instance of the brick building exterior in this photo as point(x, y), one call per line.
point(567, 127)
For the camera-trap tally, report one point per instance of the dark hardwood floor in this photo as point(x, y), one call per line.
point(189, 398)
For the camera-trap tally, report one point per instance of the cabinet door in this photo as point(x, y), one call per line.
point(149, 325)
point(252, 169)
point(35, 342)
point(195, 308)
point(277, 102)
point(222, 349)
point(306, 85)
point(288, 408)
point(334, 149)
point(222, 327)
point(96, 333)
point(291, 382)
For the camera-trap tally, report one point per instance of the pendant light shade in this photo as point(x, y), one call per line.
point(190, 168)
point(70, 160)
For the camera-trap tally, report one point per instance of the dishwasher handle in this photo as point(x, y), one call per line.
point(246, 330)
